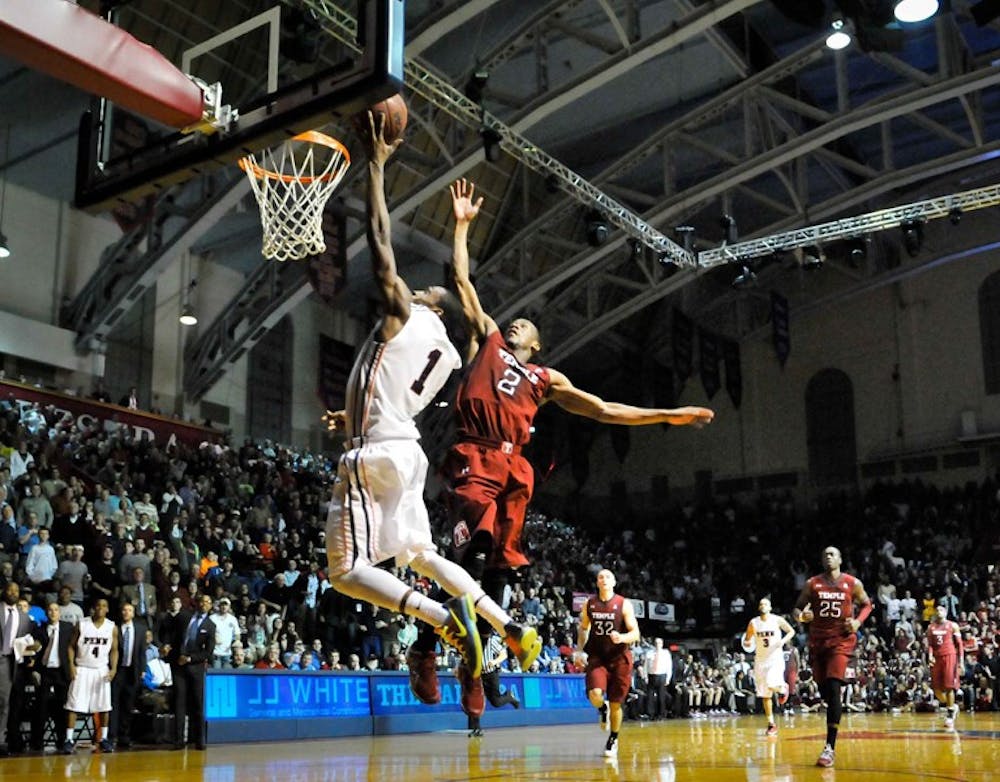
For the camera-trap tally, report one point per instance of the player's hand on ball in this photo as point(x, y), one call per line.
point(335, 420)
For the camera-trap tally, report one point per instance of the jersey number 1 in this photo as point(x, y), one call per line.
point(432, 358)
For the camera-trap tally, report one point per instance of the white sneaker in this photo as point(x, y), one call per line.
point(611, 748)
point(949, 724)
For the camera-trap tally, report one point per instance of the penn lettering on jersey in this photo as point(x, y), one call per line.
point(96, 640)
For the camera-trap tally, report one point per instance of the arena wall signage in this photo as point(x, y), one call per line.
point(80, 415)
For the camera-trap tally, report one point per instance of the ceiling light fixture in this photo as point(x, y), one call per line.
point(915, 10)
point(839, 38)
point(597, 229)
point(745, 278)
point(188, 318)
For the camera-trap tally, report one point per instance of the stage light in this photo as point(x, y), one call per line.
point(915, 10)
point(491, 143)
point(745, 278)
point(685, 233)
point(839, 38)
point(597, 229)
point(913, 237)
point(728, 224)
point(955, 215)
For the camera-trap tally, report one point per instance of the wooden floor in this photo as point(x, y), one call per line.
point(870, 748)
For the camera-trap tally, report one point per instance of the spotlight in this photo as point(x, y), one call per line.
point(745, 278)
point(491, 143)
point(685, 233)
point(728, 224)
point(597, 229)
point(839, 38)
point(634, 247)
point(915, 10)
point(670, 267)
point(4, 247)
point(955, 215)
point(913, 237)
point(476, 85)
point(812, 259)
point(188, 318)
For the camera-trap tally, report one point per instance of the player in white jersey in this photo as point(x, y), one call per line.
point(766, 636)
point(93, 661)
point(378, 511)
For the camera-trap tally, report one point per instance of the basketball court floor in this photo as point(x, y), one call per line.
point(872, 748)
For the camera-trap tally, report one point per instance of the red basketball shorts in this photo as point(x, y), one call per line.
point(944, 674)
point(490, 491)
point(828, 657)
point(613, 676)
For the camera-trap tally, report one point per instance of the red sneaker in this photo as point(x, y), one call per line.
point(423, 676)
point(473, 697)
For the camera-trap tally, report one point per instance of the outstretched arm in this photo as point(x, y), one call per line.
point(573, 400)
point(465, 210)
point(394, 292)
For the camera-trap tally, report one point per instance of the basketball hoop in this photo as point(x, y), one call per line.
point(292, 189)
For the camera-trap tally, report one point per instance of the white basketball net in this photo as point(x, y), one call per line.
point(292, 189)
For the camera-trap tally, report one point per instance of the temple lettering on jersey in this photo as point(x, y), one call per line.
point(827, 595)
point(511, 360)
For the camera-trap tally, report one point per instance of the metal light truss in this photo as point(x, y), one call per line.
point(851, 227)
point(443, 96)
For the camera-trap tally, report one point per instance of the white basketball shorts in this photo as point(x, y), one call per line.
point(89, 692)
point(769, 674)
point(377, 511)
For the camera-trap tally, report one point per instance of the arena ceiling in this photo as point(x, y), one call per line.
point(680, 110)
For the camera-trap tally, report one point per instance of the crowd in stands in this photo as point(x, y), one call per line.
point(94, 512)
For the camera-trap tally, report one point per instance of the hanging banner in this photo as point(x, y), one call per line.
point(779, 326)
point(708, 347)
point(683, 345)
point(328, 270)
point(734, 373)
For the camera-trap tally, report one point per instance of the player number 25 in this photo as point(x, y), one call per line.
point(829, 608)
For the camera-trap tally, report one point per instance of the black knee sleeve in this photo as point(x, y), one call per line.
point(834, 707)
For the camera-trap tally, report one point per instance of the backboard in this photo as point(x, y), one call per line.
point(110, 173)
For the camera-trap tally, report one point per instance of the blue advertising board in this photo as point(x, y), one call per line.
point(263, 705)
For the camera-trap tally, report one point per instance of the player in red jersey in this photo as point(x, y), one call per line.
point(946, 655)
point(607, 629)
point(833, 635)
point(490, 483)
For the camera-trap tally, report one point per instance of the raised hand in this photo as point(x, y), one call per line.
point(462, 194)
point(379, 150)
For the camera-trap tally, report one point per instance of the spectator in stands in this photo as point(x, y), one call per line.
point(41, 565)
point(9, 544)
point(69, 528)
point(68, 610)
point(74, 573)
point(140, 594)
point(227, 631)
point(271, 659)
point(131, 399)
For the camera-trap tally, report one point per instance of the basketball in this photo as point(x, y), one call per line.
point(393, 114)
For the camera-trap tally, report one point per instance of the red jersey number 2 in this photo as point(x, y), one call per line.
point(509, 382)
point(432, 358)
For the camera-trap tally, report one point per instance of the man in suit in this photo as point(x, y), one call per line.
point(14, 626)
point(128, 679)
point(141, 595)
point(189, 651)
point(52, 667)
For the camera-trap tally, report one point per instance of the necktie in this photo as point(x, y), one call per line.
point(142, 599)
point(10, 628)
point(47, 657)
point(127, 654)
point(193, 630)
